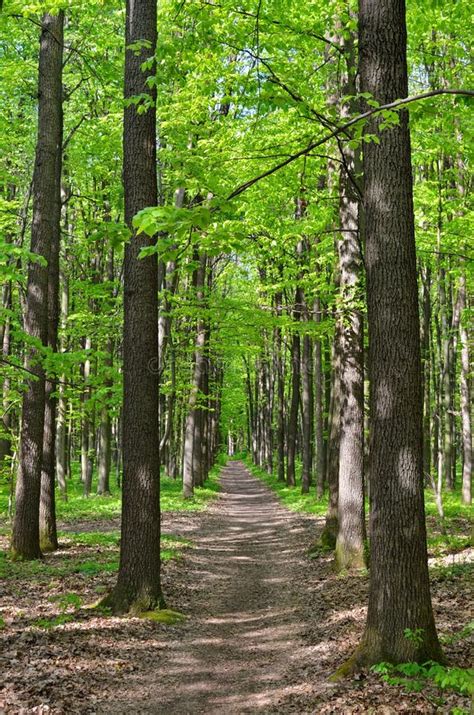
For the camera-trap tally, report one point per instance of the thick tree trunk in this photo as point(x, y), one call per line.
point(48, 531)
point(138, 586)
point(399, 595)
point(25, 539)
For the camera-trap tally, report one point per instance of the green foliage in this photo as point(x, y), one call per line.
point(415, 636)
point(415, 677)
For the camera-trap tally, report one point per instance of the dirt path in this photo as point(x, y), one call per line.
point(244, 626)
point(266, 627)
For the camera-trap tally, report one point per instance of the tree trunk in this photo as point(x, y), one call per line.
point(329, 534)
point(307, 402)
point(351, 516)
point(5, 334)
point(320, 462)
point(138, 585)
point(399, 594)
point(192, 438)
point(87, 435)
point(61, 429)
point(295, 396)
point(25, 538)
point(426, 368)
point(48, 531)
point(278, 351)
point(465, 401)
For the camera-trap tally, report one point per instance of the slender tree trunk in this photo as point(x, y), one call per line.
point(280, 435)
point(5, 427)
point(351, 515)
point(320, 465)
point(138, 585)
point(192, 438)
point(104, 457)
point(329, 534)
point(307, 401)
point(426, 367)
point(292, 428)
point(87, 436)
point(465, 402)
point(61, 434)
point(399, 594)
point(25, 538)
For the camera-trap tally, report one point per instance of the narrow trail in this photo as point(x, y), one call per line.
point(234, 654)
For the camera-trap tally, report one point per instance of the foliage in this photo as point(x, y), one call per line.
point(415, 677)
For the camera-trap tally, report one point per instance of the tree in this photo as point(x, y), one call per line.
point(46, 201)
point(351, 514)
point(138, 586)
point(399, 597)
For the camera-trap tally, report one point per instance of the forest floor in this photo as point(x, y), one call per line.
point(265, 625)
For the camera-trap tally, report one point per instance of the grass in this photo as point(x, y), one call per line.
point(95, 507)
point(291, 497)
point(99, 554)
point(458, 516)
point(90, 553)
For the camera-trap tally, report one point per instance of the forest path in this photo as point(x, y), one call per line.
point(244, 633)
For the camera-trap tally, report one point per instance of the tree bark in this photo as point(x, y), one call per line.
point(278, 362)
point(192, 438)
point(399, 594)
point(320, 461)
point(351, 516)
point(465, 401)
point(307, 404)
point(329, 534)
point(26, 537)
point(61, 428)
point(138, 585)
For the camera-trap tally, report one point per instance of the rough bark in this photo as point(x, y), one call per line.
point(399, 593)
point(48, 530)
point(25, 538)
point(138, 585)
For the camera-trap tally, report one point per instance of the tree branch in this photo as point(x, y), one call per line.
point(342, 129)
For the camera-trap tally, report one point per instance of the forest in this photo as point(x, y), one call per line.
point(237, 278)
